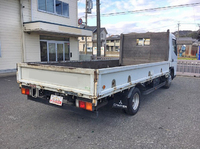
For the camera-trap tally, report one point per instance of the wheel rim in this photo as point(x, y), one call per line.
point(169, 79)
point(135, 101)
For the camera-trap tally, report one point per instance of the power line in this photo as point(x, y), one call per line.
point(152, 9)
point(144, 10)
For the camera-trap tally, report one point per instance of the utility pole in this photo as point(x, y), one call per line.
point(178, 30)
point(98, 29)
point(86, 4)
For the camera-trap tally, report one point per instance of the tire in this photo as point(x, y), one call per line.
point(168, 81)
point(133, 104)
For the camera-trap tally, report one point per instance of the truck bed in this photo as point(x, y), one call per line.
point(93, 64)
point(88, 79)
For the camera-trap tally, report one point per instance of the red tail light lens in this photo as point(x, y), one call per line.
point(27, 92)
point(82, 104)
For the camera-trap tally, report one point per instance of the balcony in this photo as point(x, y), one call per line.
point(49, 28)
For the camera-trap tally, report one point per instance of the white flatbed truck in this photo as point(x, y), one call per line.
point(147, 62)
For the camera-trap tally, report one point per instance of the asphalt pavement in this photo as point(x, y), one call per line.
point(168, 118)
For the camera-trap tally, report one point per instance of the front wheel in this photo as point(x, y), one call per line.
point(133, 102)
point(168, 81)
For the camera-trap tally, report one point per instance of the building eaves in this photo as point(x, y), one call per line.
point(186, 40)
point(113, 37)
point(94, 29)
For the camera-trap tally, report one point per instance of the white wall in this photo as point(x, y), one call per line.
point(44, 16)
point(32, 47)
point(74, 48)
point(104, 37)
point(10, 34)
point(26, 10)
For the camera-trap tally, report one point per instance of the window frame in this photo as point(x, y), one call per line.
point(54, 8)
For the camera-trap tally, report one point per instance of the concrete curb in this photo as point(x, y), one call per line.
point(9, 74)
point(187, 74)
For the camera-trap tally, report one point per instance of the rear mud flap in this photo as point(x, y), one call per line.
point(120, 100)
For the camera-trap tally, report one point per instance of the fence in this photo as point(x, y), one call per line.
point(191, 67)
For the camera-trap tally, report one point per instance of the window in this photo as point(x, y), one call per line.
point(54, 6)
point(65, 9)
point(174, 46)
point(58, 7)
point(111, 48)
point(140, 42)
point(146, 42)
point(50, 6)
point(54, 50)
point(43, 51)
point(42, 5)
point(143, 42)
point(67, 51)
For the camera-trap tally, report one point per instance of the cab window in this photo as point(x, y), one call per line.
point(174, 46)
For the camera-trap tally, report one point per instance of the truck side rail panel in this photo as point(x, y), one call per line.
point(115, 80)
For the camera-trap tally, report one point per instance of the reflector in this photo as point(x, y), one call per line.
point(89, 106)
point(23, 90)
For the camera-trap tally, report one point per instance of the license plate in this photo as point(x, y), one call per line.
point(57, 100)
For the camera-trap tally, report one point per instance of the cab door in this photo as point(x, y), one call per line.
point(174, 55)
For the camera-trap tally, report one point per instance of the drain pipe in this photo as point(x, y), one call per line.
point(22, 32)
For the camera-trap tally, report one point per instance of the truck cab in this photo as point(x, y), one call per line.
point(172, 55)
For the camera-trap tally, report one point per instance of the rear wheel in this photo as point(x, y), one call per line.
point(133, 102)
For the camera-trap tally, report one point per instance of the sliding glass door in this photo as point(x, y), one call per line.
point(67, 51)
point(54, 50)
point(60, 52)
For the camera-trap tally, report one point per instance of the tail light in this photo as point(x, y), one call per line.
point(25, 91)
point(84, 105)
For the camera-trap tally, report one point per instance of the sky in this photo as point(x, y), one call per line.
point(152, 21)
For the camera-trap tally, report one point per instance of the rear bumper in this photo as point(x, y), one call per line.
point(93, 114)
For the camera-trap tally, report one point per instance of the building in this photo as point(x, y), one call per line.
point(191, 46)
point(38, 30)
point(92, 41)
point(113, 43)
